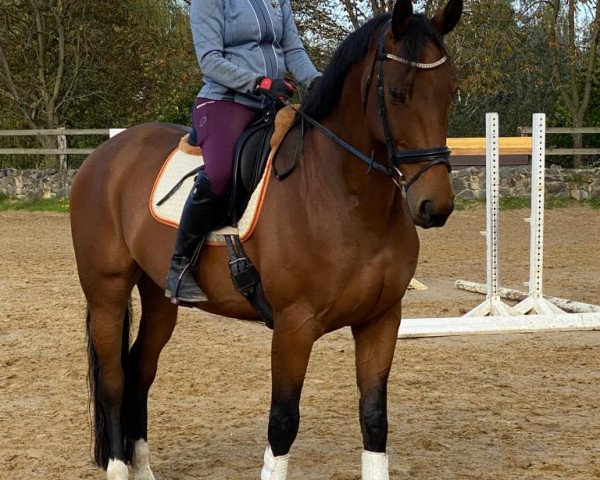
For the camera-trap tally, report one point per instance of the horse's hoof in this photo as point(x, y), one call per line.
point(141, 461)
point(116, 470)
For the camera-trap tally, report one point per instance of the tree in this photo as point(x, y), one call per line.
point(572, 32)
point(499, 53)
point(42, 56)
point(94, 64)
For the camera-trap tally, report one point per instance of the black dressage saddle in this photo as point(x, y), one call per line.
point(250, 159)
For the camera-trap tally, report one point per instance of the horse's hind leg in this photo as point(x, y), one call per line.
point(156, 326)
point(108, 337)
point(375, 344)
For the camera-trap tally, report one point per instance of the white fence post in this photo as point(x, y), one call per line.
point(62, 144)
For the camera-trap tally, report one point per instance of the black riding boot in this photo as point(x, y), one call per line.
point(198, 218)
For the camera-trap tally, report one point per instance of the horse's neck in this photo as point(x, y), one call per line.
point(334, 186)
point(374, 190)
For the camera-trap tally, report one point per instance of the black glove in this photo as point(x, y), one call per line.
point(277, 89)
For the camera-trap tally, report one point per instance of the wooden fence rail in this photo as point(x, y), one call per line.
point(61, 134)
point(526, 131)
point(461, 147)
point(46, 151)
point(55, 131)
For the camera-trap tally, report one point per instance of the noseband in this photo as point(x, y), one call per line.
point(433, 156)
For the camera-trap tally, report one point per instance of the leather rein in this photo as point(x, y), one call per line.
point(433, 156)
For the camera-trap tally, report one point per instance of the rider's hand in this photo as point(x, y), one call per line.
point(277, 89)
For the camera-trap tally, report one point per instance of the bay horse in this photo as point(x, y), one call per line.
point(336, 244)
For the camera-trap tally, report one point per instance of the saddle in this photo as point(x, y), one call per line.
point(252, 167)
point(250, 159)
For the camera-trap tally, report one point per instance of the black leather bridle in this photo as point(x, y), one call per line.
point(433, 156)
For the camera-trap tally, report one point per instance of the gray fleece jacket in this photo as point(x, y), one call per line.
point(238, 41)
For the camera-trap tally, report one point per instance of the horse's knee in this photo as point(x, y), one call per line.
point(284, 421)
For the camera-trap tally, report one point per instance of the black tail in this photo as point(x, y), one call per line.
point(100, 425)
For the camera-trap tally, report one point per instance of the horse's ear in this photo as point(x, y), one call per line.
point(403, 12)
point(446, 19)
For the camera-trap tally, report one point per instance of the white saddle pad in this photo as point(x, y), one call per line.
point(183, 160)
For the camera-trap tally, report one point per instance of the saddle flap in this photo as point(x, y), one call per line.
point(251, 155)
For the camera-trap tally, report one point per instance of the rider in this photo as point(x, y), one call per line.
point(244, 48)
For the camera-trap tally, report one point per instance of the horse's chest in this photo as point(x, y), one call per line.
point(371, 289)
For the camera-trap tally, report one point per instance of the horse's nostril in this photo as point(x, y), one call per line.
point(433, 216)
point(425, 209)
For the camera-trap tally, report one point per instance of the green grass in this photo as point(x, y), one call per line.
point(460, 204)
point(37, 205)
point(517, 203)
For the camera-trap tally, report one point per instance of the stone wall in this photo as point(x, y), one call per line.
point(469, 183)
point(35, 183)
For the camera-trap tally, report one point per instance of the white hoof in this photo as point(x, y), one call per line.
point(116, 470)
point(374, 466)
point(141, 461)
point(274, 468)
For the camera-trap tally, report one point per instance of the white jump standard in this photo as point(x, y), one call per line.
point(534, 312)
point(493, 304)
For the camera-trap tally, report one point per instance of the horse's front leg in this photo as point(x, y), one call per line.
point(290, 351)
point(375, 344)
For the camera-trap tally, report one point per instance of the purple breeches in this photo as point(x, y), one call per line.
point(218, 125)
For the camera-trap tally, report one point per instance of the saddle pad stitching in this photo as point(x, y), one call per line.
point(155, 186)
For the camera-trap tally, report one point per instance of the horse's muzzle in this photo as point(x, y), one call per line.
point(430, 215)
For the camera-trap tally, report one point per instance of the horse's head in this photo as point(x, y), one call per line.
point(409, 90)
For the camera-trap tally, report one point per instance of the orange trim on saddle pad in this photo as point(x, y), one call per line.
point(154, 188)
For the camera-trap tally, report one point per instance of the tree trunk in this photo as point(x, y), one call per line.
point(577, 141)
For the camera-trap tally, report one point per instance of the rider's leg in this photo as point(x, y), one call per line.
point(218, 125)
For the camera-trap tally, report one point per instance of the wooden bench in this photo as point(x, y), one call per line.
point(470, 151)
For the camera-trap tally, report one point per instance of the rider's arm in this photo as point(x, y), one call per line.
point(296, 58)
point(207, 18)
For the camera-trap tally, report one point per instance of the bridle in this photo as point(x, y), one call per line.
point(433, 156)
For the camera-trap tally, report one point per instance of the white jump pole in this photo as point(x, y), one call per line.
point(493, 304)
point(570, 306)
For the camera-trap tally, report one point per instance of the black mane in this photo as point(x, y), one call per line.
point(326, 94)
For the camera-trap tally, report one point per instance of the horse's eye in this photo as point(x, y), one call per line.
point(397, 95)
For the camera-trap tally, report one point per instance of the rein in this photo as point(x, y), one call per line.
point(433, 156)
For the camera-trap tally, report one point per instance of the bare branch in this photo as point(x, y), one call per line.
point(592, 58)
point(59, 16)
point(351, 10)
point(9, 79)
